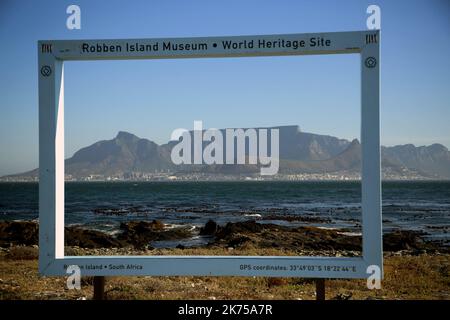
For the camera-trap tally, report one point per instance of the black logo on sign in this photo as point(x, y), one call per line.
point(371, 62)
point(46, 71)
point(46, 48)
point(371, 38)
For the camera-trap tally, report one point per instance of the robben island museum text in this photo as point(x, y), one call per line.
point(312, 42)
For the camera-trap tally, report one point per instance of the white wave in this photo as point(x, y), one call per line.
point(350, 234)
point(254, 215)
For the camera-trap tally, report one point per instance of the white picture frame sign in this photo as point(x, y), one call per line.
point(51, 57)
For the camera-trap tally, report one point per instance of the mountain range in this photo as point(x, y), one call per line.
point(300, 152)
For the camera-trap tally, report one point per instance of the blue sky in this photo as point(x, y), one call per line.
point(152, 98)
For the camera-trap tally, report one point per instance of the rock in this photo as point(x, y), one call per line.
point(233, 228)
point(22, 253)
point(141, 233)
point(292, 217)
point(269, 235)
point(275, 282)
point(343, 296)
point(90, 239)
point(209, 229)
point(403, 240)
point(27, 233)
point(18, 232)
point(238, 241)
point(142, 226)
point(157, 225)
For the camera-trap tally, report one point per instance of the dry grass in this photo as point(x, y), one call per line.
point(406, 277)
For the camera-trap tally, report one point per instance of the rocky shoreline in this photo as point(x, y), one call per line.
point(139, 235)
point(414, 267)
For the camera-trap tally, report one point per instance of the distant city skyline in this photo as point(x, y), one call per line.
point(152, 98)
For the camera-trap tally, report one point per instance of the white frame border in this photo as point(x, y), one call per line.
point(52, 261)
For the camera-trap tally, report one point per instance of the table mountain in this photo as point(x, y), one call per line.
point(300, 152)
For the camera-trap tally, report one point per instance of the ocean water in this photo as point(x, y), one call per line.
point(422, 206)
